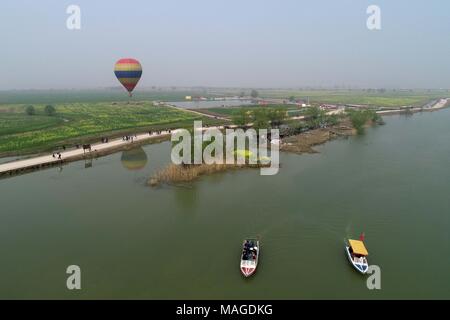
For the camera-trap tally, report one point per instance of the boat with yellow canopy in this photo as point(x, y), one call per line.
point(357, 254)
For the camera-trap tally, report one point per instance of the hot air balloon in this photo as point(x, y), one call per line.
point(128, 71)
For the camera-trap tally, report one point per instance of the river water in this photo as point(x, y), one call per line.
point(133, 241)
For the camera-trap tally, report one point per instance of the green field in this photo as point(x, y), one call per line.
point(80, 122)
point(375, 98)
point(228, 111)
point(85, 115)
point(99, 95)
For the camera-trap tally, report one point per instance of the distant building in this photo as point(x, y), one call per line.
point(328, 107)
point(188, 98)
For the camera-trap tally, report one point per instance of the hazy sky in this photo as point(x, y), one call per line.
point(250, 43)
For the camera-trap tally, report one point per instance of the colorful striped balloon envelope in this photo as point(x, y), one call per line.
point(128, 71)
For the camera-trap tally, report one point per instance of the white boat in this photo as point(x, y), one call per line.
point(357, 254)
point(249, 257)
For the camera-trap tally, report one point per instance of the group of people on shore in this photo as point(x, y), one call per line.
point(57, 155)
point(106, 140)
point(129, 138)
point(159, 132)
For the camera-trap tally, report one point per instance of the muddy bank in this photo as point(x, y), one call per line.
point(304, 142)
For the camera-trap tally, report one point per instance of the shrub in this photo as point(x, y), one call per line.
point(360, 117)
point(29, 110)
point(49, 110)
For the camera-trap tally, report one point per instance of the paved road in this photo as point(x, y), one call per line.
point(20, 164)
point(438, 105)
point(70, 154)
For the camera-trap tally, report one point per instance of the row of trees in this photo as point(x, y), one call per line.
point(254, 94)
point(318, 118)
point(49, 110)
point(262, 118)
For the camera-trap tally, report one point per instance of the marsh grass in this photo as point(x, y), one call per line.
point(175, 174)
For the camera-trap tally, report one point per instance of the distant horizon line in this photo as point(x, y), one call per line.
point(178, 87)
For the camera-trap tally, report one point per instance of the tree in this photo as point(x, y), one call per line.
point(260, 119)
point(332, 120)
point(316, 117)
point(49, 110)
point(360, 117)
point(254, 93)
point(29, 110)
point(358, 120)
point(276, 116)
point(291, 99)
point(240, 117)
point(376, 118)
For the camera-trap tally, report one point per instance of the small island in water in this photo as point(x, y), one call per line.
point(297, 136)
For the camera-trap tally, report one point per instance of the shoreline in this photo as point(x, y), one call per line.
point(440, 104)
point(220, 119)
point(14, 168)
point(301, 143)
point(304, 142)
